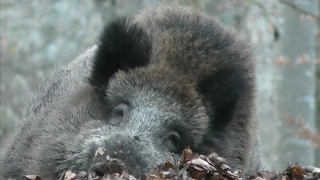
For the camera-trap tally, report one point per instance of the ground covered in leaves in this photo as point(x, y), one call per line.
point(189, 166)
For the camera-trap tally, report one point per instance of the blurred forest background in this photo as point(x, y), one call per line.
point(37, 36)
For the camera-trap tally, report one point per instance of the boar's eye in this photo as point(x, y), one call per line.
point(120, 114)
point(171, 141)
point(118, 111)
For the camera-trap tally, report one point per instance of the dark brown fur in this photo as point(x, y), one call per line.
point(168, 78)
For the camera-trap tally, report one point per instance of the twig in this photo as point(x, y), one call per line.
point(300, 10)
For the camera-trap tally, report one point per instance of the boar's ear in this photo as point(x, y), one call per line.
point(223, 90)
point(122, 45)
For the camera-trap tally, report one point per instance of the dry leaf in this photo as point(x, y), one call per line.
point(187, 154)
point(282, 61)
point(69, 175)
point(99, 151)
point(32, 177)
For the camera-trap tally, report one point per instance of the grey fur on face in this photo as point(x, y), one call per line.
point(170, 77)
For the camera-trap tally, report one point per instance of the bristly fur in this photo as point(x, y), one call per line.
point(207, 62)
point(170, 77)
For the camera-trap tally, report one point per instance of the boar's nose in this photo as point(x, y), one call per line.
point(136, 154)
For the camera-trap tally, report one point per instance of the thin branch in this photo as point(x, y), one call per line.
point(299, 9)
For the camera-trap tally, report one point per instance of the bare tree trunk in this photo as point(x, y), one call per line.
point(295, 82)
point(318, 86)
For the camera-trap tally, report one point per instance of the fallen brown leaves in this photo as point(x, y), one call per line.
point(189, 166)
